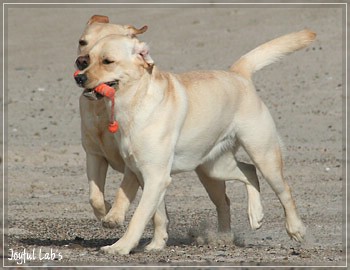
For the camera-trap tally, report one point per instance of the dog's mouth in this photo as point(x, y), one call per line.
point(113, 84)
point(91, 94)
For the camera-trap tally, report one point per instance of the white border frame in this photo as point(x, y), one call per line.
point(179, 4)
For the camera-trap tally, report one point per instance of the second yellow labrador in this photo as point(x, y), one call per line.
point(172, 123)
point(100, 146)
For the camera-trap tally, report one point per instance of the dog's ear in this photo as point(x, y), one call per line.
point(99, 19)
point(141, 50)
point(133, 32)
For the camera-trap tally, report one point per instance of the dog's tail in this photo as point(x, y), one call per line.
point(271, 52)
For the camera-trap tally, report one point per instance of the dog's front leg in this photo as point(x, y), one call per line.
point(96, 172)
point(156, 180)
point(124, 196)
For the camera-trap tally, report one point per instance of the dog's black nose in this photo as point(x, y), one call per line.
point(81, 79)
point(82, 62)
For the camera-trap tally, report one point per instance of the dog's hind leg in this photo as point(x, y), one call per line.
point(226, 168)
point(270, 165)
point(96, 172)
point(217, 193)
point(247, 174)
point(263, 147)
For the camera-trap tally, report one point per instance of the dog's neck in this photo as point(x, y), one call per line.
point(136, 98)
point(135, 81)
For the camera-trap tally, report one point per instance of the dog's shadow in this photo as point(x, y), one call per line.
point(81, 243)
point(69, 243)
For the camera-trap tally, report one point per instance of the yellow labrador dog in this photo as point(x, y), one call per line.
point(172, 123)
point(102, 150)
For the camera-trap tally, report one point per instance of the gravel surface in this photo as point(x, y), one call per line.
point(46, 193)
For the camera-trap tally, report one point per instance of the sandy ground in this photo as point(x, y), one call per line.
point(46, 185)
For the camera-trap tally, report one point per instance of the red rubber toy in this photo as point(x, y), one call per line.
point(113, 127)
point(105, 90)
point(76, 73)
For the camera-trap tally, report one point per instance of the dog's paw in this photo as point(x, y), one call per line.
point(116, 249)
point(101, 211)
point(112, 220)
point(155, 245)
point(296, 230)
point(256, 216)
point(256, 220)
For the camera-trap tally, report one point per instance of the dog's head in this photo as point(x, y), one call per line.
point(96, 29)
point(115, 59)
point(99, 27)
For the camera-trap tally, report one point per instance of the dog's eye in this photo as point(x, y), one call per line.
point(107, 62)
point(82, 42)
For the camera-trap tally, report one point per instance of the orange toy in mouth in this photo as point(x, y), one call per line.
point(108, 92)
point(105, 90)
